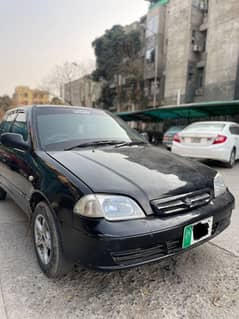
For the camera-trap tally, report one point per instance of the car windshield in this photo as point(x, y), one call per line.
point(62, 128)
point(217, 127)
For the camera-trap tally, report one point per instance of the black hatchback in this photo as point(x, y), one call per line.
point(98, 194)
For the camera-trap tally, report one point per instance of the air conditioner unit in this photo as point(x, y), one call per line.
point(197, 48)
point(199, 92)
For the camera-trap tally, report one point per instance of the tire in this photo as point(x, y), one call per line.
point(3, 194)
point(232, 160)
point(47, 243)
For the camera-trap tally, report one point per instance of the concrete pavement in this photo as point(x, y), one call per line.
point(202, 283)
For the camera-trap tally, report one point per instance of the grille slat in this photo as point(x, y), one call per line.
point(181, 203)
point(137, 255)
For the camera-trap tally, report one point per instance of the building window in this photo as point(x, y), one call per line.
point(201, 76)
point(152, 26)
point(201, 4)
point(150, 56)
point(204, 44)
point(194, 36)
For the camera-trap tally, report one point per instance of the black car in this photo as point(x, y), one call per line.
point(98, 194)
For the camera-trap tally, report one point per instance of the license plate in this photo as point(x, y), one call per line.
point(192, 140)
point(197, 232)
point(195, 140)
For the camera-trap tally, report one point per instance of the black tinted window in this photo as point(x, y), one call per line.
point(68, 125)
point(2, 125)
point(234, 130)
point(7, 123)
point(20, 126)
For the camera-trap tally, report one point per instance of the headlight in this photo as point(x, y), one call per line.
point(219, 185)
point(110, 207)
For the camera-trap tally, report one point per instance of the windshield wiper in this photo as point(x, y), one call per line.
point(130, 143)
point(95, 143)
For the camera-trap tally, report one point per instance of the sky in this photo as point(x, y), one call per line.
point(36, 35)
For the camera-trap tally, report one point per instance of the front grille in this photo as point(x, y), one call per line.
point(134, 256)
point(181, 203)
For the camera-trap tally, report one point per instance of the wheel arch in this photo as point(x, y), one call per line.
point(234, 148)
point(36, 198)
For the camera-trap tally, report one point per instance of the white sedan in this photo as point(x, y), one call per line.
point(209, 140)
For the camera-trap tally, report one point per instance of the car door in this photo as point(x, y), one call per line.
point(22, 164)
point(5, 154)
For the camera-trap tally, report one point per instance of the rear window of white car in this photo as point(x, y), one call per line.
point(206, 127)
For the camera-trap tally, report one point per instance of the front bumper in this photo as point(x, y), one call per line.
point(111, 246)
point(168, 144)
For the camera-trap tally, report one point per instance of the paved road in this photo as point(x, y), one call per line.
point(202, 283)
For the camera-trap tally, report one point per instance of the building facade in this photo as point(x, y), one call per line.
point(23, 95)
point(191, 51)
point(82, 92)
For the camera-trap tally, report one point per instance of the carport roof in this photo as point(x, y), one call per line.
point(188, 111)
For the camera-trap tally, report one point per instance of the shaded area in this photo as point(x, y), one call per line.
point(184, 111)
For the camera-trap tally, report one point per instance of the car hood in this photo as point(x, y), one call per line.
point(137, 171)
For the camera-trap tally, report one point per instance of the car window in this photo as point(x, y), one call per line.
point(206, 127)
point(234, 130)
point(61, 125)
point(7, 123)
point(2, 125)
point(20, 126)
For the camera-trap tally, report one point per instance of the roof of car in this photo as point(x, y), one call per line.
point(28, 107)
point(216, 122)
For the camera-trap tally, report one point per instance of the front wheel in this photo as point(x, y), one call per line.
point(47, 242)
point(232, 160)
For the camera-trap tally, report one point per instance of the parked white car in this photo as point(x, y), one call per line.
point(209, 140)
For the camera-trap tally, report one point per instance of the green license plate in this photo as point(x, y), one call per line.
point(187, 236)
point(197, 232)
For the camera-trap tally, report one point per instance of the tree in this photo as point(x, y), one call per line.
point(61, 77)
point(108, 52)
point(5, 104)
point(118, 60)
point(131, 69)
point(56, 101)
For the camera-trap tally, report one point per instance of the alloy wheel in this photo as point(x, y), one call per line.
point(43, 241)
point(233, 158)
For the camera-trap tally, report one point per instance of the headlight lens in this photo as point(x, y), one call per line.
point(110, 207)
point(219, 185)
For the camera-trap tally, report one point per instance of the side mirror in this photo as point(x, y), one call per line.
point(14, 141)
